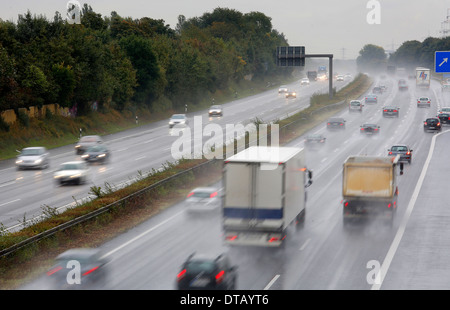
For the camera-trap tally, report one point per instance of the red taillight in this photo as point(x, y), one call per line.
point(231, 238)
point(181, 274)
point(220, 276)
point(425, 123)
point(213, 195)
point(439, 124)
point(190, 194)
point(384, 110)
point(341, 124)
point(418, 101)
point(328, 124)
point(376, 128)
point(428, 102)
point(346, 204)
point(390, 153)
point(389, 205)
point(408, 153)
point(362, 128)
point(56, 269)
point(90, 271)
point(395, 110)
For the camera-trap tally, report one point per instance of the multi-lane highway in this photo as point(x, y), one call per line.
point(323, 254)
point(24, 193)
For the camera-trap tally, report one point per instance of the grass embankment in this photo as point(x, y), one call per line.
point(32, 261)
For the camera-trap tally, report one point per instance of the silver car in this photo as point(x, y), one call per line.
point(72, 172)
point(203, 199)
point(178, 119)
point(423, 101)
point(215, 110)
point(33, 157)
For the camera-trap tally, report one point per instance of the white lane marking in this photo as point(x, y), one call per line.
point(9, 202)
point(272, 282)
point(305, 244)
point(8, 183)
point(141, 235)
point(401, 230)
point(139, 158)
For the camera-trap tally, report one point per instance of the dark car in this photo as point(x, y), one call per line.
point(97, 153)
point(403, 150)
point(207, 272)
point(336, 123)
point(85, 142)
point(377, 90)
point(81, 268)
point(369, 129)
point(444, 118)
point(315, 139)
point(391, 111)
point(432, 123)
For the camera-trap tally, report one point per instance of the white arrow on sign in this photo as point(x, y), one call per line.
point(445, 60)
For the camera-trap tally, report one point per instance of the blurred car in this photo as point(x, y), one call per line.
point(33, 157)
point(369, 129)
point(203, 199)
point(97, 153)
point(291, 94)
point(445, 87)
point(178, 119)
point(304, 81)
point(315, 139)
point(207, 272)
point(282, 89)
point(92, 269)
point(402, 85)
point(85, 142)
point(444, 118)
point(215, 110)
point(423, 101)
point(340, 78)
point(377, 90)
point(432, 123)
point(444, 110)
point(403, 150)
point(371, 98)
point(390, 111)
point(336, 123)
point(355, 106)
point(71, 172)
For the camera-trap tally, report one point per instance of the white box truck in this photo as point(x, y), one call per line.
point(264, 192)
point(423, 78)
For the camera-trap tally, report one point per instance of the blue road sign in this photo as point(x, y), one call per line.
point(442, 62)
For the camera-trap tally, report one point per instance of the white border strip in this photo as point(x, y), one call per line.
point(401, 230)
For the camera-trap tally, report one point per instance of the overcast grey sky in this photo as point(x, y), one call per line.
point(322, 26)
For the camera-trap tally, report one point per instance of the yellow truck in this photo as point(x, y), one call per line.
point(369, 187)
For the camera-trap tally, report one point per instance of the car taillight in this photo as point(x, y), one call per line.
point(428, 102)
point(395, 110)
point(376, 128)
point(362, 129)
point(390, 153)
point(384, 110)
point(220, 276)
point(190, 194)
point(231, 237)
point(328, 124)
point(439, 124)
point(213, 195)
point(425, 123)
point(90, 271)
point(341, 124)
point(54, 270)
point(408, 153)
point(181, 275)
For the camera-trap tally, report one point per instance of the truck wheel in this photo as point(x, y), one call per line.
point(300, 219)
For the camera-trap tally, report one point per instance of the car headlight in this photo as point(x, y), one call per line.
point(38, 161)
point(19, 161)
point(85, 156)
point(56, 176)
point(101, 155)
point(75, 175)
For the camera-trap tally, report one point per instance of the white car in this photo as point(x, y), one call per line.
point(178, 119)
point(33, 157)
point(304, 81)
point(423, 101)
point(282, 89)
point(444, 110)
point(340, 78)
point(203, 199)
point(72, 172)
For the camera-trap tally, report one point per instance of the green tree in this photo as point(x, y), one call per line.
point(371, 58)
